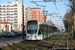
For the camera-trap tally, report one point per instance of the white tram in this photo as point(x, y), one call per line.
point(37, 30)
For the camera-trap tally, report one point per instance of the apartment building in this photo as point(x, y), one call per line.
point(12, 13)
point(34, 14)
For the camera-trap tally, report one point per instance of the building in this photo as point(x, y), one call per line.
point(34, 14)
point(5, 26)
point(12, 13)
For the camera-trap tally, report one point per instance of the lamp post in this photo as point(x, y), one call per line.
point(23, 18)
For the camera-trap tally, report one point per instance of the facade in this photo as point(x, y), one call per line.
point(34, 14)
point(12, 12)
point(5, 26)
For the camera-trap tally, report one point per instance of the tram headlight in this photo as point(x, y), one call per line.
point(35, 36)
point(27, 36)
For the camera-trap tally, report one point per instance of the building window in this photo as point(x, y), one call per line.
point(15, 13)
point(8, 16)
point(15, 17)
point(0, 20)
point(8, 11)
point(0, 17)
point(0, 6)
point(15, 27)
point(7, 5)
point(12, 17)
point(0, 11)
point(36, 16)
point(0, 14)
point(4, 14)
point(3, 11)
point(7, 8)
point(11, 11)
point(37, 11)
point(11, 8)
point(11, 5)
point(4, 20)
point(3, 8)
point(15, 5)
point(15, 8)
point(11, 14)
point(12, 20)
point(15, 22)
point(3, 5)
point(4, 17)
point(8, 19)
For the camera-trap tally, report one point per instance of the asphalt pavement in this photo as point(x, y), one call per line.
point(8, 41)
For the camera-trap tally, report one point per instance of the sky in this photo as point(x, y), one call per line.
point(60, 9)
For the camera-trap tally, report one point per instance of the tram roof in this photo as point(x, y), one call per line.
point(49, 25)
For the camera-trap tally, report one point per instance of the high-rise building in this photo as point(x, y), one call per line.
point(34, 14)
point(12, 12)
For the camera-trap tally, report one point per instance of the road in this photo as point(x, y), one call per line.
point(6, 41)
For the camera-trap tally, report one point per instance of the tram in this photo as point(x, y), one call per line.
point(37, 30)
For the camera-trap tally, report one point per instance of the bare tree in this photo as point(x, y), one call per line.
point(50, 22)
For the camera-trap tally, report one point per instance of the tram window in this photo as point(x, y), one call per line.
point(39, 32)
point(42, 29)
point(32, 27)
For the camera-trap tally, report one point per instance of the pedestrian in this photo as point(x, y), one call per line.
point(2, 30)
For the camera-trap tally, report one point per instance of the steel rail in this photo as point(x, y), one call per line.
point(57, 43)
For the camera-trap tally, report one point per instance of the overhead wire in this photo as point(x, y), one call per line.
point(56, 8)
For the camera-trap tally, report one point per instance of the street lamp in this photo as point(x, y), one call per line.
point(23, 18)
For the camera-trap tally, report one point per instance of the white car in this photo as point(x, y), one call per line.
point(9, 34)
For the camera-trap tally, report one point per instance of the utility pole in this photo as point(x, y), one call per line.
point(23, 18)
point(41, 6)
point(43, 9)
point(51, 15)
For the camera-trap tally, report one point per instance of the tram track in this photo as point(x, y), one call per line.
point(62, 43)
point(41, 43)
point(35, 45)
point(48, 46)
point(31, 44)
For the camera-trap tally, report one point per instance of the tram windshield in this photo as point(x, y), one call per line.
point(32, 27)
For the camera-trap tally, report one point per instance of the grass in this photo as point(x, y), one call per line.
point(30, 45)
point(49, 44)
point(71, 41)
point(62, 42)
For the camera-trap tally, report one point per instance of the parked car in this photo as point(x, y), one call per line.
point(17, 33)
point(0, 35)
point(24, 33)
point(9, 34)
point(4, 33)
